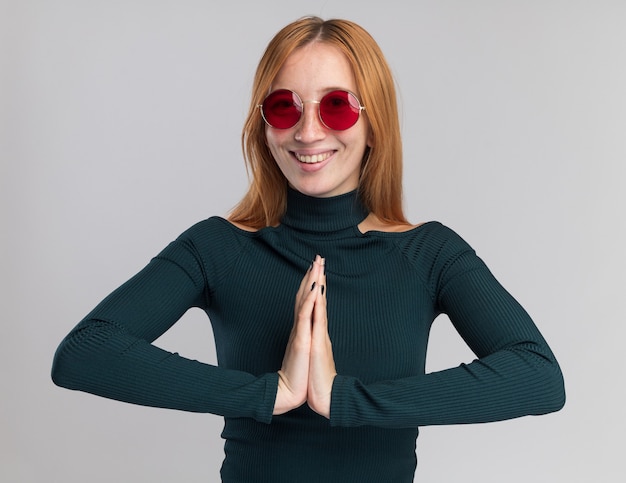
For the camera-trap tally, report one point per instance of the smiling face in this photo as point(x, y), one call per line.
point(316, 160)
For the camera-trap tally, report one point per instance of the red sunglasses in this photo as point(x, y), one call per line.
point(338, 110)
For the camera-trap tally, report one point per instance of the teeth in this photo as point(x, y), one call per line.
point(315, 158)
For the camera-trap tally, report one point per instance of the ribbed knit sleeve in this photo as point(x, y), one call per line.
point(110, 352)
point(515, 373)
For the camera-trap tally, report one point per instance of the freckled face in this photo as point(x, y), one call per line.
point(315, 160)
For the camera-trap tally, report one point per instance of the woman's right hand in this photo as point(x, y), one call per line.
point(294, 374)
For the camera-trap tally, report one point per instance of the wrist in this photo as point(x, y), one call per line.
point(285, 400)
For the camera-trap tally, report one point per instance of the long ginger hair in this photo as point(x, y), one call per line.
point(380, 183)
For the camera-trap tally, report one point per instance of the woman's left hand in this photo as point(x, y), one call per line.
point(322, 364)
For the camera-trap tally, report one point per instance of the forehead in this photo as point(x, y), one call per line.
point(314, 68)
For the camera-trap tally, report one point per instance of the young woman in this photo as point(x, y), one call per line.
point(321, 295)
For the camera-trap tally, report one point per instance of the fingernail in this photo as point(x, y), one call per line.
point(312, 286)
point(322, 289)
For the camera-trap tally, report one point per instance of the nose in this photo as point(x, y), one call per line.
point(310, 127)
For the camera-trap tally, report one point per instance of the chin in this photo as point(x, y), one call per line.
point(316, 192)
point(319, 189)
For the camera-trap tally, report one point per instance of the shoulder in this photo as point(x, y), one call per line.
point(217, 226)
point(433, 232)
point(211, 235)
point(373, 224)
point(241, 226)
point(437, 253)
point(431, 247)
point(208, 247)
point(438, 241)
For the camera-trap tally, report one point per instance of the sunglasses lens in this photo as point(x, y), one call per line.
point(282, 109)
point(339, 110)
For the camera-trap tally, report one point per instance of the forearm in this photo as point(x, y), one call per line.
point(508, 384)
point(100, 358)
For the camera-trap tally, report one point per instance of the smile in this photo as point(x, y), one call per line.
point(313, 158)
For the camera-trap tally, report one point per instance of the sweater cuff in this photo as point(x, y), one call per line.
point(340, 414)
point(269, 398)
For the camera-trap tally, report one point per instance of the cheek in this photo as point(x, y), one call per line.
point(268, 136)
point(359, 140)
point(369, 135)
point(270, 142)
point(274, 138)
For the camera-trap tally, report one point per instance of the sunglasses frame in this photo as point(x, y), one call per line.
point(311, 101)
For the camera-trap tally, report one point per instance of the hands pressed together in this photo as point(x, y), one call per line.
point(308, 368)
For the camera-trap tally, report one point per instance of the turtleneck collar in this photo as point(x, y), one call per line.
point(308, 213)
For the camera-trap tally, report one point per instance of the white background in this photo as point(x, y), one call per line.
point(119, 128)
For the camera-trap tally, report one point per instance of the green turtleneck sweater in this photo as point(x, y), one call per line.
point(383, 290)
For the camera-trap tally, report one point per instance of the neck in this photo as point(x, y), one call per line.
point(307, 213)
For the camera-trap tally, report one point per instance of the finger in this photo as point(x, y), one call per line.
point(320, 320)
point(319, 315)
point(309, 277)
point(309, 288)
